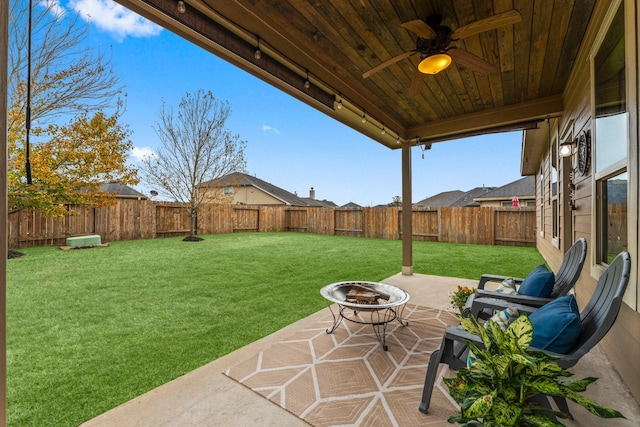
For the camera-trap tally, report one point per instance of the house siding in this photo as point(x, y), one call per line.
point(577, 118)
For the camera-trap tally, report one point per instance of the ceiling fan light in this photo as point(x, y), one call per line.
point(435, 63)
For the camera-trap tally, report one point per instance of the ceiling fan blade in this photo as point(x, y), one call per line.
point(416, 84)
point(388, 62)
point(505, 18)
point(470, 61)
point(420, 28)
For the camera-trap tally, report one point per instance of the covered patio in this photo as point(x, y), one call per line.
point(357, 62)
point(207, 397)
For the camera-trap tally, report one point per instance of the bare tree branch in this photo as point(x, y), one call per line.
point(67, 77)
point(195, 148)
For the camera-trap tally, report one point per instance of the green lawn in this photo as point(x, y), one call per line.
point(90, 329)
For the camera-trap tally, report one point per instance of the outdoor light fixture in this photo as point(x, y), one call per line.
point(383, 130)
point(566, 148)
point(364, 118)
point(182, 8)
point(340, 103)
point(433, 64)
point(307, 84)
point(258, 54)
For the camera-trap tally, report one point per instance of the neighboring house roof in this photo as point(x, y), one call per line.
point(351, 205)
point(314, 202)
point(468, 198)
point(122, 191)
point(617, 191)
point(238, 179)
point(523, 188)
point(441, 199)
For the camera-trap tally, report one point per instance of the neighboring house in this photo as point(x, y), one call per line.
point(441, 199)
point(351, 205)
point(454, 198)
point(241, 188)
point(122, 191)
point(524, 190)
point(468, 198)
point(312, 201)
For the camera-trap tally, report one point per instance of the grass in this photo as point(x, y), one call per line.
point(88, 330)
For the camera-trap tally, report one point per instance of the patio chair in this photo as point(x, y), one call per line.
point(596, 318)
point(567, 276)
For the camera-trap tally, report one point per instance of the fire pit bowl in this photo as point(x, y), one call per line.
point(337, 292)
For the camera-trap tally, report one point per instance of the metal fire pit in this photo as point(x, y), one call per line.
point(377, 315)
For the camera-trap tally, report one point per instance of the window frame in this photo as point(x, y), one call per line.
point(600, 175)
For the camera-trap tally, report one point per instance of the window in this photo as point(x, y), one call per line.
point(555, 210)
point(611, 140)
point(613, 216)
point(541, 198)
point(228, 191)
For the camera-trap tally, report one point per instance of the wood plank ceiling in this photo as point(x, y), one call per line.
point(331, 43)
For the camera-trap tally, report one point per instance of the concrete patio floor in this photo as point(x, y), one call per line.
point(206, 397)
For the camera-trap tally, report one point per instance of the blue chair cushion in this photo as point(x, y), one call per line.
point(539, 283)
point(556, 325)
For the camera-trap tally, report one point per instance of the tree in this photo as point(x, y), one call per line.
point(195, 148)
point(68, 77)
point(397, 202)
point(72, 81)
point(72, 164)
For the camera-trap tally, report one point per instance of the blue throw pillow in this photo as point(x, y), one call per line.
point(556, 325)
point(539, 283)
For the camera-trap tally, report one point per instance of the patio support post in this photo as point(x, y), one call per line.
point(407, 222)
point(4, 43)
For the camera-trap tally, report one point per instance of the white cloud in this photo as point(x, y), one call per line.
point(267, 128)
point(141, 153)
point(114, 18)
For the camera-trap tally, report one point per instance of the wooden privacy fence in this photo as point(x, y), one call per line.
point(145, 219)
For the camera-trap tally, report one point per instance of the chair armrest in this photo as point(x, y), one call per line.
point(480, 304)
point(516, 298)
point(495, 278)
point(457, 333)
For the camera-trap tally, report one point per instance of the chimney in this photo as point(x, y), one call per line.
point(312, 194)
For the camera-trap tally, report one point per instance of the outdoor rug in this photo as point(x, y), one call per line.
point(347, 379)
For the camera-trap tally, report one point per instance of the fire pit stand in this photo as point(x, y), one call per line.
point(383, 304)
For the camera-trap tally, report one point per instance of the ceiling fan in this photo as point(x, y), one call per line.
point(434, 46)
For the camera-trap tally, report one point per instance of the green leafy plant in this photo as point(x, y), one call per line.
point(459, 297)
point(496, 389)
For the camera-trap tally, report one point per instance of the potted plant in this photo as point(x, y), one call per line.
point(460, 296)
point(503, 377)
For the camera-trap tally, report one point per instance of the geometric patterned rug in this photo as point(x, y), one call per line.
point(347, 379)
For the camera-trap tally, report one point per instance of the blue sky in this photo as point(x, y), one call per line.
point(289, 144)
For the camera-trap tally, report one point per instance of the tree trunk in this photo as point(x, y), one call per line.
point(192, 224)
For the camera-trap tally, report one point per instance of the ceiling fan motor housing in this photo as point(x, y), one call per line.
point(439, 44)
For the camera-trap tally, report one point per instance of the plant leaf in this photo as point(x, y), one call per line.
point(505, 414)
point(478, 407)
point(546, 368)
point(593, 406)
point(522, 330)
point(578, 385)
point(540, 420)
point(457, 387)
point(544, 385)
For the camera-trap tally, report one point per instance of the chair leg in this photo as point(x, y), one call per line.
point(561, 403)
point(430, 380)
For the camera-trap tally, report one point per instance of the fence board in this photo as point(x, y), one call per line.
point(246, 218)
point(143, 219)
point(349, 222)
